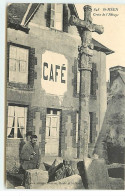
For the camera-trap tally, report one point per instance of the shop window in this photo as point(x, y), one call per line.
point(56, 16)
point(18, 64)
point(17, 118)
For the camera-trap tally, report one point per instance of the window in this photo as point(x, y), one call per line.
point(56, 16)
point(17, 117)
point(18, 64)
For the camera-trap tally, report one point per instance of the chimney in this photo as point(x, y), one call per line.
point(114, 72)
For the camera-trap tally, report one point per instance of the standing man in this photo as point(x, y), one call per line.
point(30, 155)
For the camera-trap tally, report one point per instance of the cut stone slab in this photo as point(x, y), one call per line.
point(69, 183)
point(96, 174)
point(35, 176)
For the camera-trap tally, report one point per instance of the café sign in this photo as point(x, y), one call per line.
point(54, 73)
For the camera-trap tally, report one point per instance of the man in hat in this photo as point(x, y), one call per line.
point(28, 136)
point(30, 156)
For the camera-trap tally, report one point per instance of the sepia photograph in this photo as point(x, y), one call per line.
point(65, 96)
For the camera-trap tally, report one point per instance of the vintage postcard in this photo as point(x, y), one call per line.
point(65, 96)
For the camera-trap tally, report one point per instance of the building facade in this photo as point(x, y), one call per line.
point(43, 81)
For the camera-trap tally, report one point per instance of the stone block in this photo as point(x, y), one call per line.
point(35, 176)
point(96, 174)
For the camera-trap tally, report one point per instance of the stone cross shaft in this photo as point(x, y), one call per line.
point(85, 28)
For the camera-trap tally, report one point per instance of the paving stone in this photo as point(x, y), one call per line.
point(96, 174)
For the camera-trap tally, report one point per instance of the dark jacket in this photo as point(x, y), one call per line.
point(27, 151)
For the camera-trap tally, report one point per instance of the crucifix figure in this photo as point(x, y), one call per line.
point(85, 28)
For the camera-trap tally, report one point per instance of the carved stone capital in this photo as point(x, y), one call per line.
point(86, 50)
point(85, 63)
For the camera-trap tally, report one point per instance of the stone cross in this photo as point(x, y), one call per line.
point(85, 28)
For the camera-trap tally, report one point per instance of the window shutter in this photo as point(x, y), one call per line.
point(65, 18)
point(58, 16)
point(31, 67)
point(93, 80)
point(18, 64)
point(92, 127)
point(48, 15)
point(8, 48)
point(74, 81)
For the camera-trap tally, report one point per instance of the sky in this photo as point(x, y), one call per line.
point(114, 30)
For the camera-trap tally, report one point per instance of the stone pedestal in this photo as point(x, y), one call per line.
point(35, 176)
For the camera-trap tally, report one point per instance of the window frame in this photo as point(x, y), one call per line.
point(28, 62)
point(55, 10)
point(16, 124)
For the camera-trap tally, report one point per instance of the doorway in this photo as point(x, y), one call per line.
point(52, 132)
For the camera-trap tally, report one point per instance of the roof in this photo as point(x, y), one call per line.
point(116, 68)
point(19, 14)
point(100, 47)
